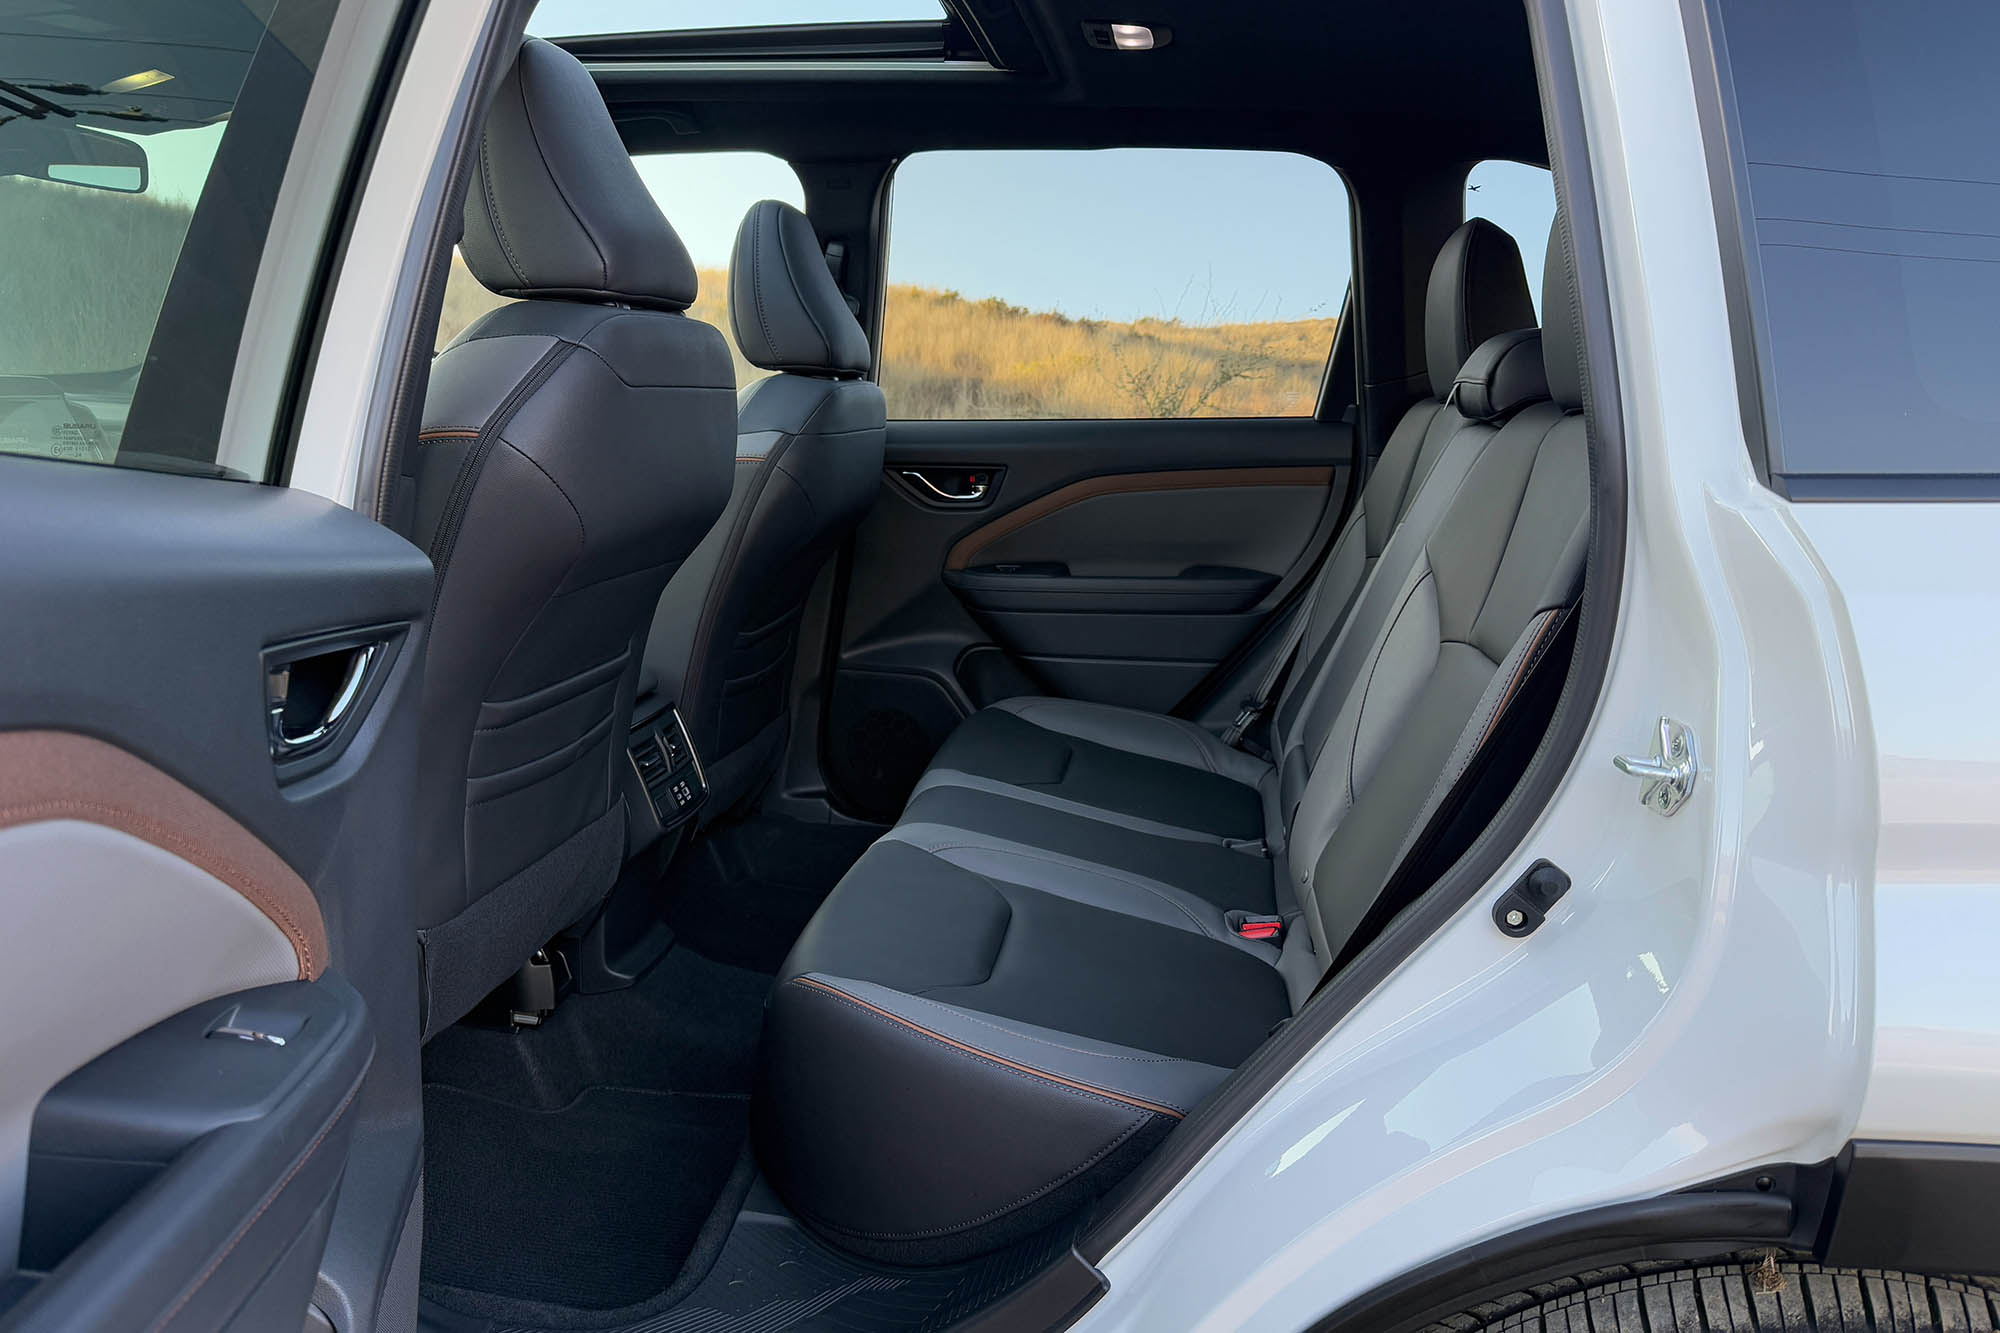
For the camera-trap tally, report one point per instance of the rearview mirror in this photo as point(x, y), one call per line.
point(71, 154)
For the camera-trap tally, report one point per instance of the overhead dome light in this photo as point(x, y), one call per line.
point(1109, 36)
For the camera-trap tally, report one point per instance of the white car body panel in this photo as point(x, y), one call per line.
point(1700, 1003)
point(1918, 580)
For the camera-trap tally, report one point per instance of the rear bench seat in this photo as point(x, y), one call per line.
point(1020, 989)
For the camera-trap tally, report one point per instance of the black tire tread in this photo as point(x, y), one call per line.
point(1750, 1293)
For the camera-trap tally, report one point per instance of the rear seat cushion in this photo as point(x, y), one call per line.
point(970, 1053)
point(913, 921)
point(1146, 766)
point(938, 1134)
point(1213, 870)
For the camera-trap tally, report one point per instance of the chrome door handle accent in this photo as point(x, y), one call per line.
point(286, 742)
point(230, 1030)
point(975, 490)
point(1670, 773)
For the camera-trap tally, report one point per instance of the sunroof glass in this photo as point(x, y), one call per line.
point(585, 18)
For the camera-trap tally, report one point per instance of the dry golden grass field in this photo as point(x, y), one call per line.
point(949, 357)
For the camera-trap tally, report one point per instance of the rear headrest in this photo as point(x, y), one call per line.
point(556, 209)
point(786, 310)
point(1503, 375)
point(1477, 289)
point(1562, 341)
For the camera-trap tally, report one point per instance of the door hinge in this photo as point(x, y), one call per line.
point(1670, 773)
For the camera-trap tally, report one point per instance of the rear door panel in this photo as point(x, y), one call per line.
point(1116, 561)
point(143, 610)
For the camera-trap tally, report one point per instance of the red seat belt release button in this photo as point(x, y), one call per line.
point(1258, 927)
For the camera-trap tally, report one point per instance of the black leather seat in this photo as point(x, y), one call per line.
point(1016, 993)
point(576, 447)
point(808, 464)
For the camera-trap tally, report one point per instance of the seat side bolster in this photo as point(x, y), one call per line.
point(1158, 1084)
point(1017, 1124)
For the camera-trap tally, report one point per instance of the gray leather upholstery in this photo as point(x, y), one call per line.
point(573, 452)
point(1563, 341)
point(1477, 289)
point(784, 306)
point(808, 465)
point(556, 210)
point(1503, 375)
point(1022, 987)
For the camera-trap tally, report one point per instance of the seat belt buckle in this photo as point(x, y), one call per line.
point(1255, 926)
point(1247, 715)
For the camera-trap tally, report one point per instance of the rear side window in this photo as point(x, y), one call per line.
point(1865, 147)
point(705, 196)
point(1521, 201)
point(1132, 282)
point(141, 152)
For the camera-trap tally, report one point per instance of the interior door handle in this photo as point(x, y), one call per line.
point(309, 699)
point(951, 485)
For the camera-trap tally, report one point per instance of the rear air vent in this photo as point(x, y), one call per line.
point(667, 768)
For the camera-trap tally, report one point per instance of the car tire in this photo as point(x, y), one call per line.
point(1753, 1293)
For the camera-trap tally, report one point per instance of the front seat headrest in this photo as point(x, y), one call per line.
point(1477, 289)
point(786, 310)
point(556, 209)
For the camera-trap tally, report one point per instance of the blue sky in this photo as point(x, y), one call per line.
point(1106, 234)
point(1205, 236)
point(573, 18)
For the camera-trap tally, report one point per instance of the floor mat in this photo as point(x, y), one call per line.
point(772, 1276)
point(593, 1205)
point(745, 891)
point(569, 1169)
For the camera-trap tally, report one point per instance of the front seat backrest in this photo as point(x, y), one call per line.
point(575, 448)
point(808, 465)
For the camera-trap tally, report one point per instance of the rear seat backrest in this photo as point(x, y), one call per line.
point(1464, 601)
point(1478, 290)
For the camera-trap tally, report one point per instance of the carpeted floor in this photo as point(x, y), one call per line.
point(569, 1169)
point(594, 1205)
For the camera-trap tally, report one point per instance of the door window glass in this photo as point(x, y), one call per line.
point(141, 152)
point(1864, 136)
point(1132, 282)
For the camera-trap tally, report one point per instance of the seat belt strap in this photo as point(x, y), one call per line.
point(1260, 701)
point(1484, 737)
